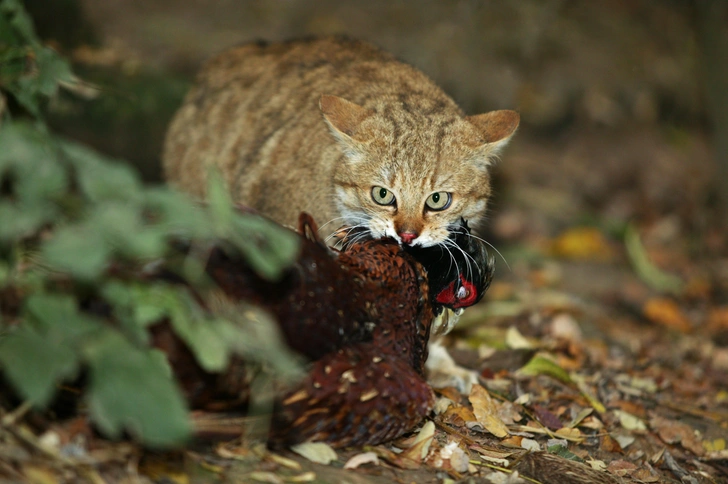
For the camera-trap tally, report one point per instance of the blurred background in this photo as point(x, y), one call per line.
point(624, 107)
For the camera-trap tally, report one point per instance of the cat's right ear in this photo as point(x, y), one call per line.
point(343, 117)
point(495, 128)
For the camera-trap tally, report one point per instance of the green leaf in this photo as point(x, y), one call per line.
point(540, 365)
point(21, 220)
point(20, 20)
point(7, 37)
point(562, 451)
point(220, 205)
point(102, 178)
point(34, 365)
point(122, 228)
point(177, 213)
point(652, 275)
point(4, 275)
point(269, 248)
point(21, 142)
point(132, 390)
point(136, 306)
point(60, 318)
point(52, 70)
point(38, 356)
point(259, 338)
point(210, 340)
point(40, 179)
point(78, 250)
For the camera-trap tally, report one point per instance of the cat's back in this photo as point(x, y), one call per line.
point(255, 109)
point(246, 99)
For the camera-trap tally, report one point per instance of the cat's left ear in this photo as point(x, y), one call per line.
point(495, 128)
point(343, 117)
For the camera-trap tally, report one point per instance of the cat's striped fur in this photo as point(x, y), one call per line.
point(323, 125)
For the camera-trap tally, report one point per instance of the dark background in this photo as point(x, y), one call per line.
point(623, 102)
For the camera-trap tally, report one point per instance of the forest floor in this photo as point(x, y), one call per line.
point(601, 349)
point(601, 346)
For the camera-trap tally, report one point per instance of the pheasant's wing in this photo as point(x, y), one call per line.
point(353, 397)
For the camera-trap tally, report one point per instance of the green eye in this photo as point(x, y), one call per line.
point(439, 201)
point(382, 196)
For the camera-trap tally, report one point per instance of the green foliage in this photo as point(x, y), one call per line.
point(131, 390)
point(79, 232)
point(30, 72)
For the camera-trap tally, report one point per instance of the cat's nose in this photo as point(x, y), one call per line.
point(407, 237)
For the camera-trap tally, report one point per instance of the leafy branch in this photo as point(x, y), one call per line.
point(79, 232)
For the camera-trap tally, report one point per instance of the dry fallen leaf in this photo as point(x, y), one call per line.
point(486, 411)
point(573, 435)
point(516, 341)
point(629, 421)
point(421, 445)
point(318, 452)
point(458, 458)
point(267, 477)
point(582, 243)
point(530, 444)
point(673, 432)
point(360, 459)
point(667, 313)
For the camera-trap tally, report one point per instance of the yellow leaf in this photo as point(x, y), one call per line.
point(714, 445)
point(582, 243)
point(486, 412)
point(571, 434)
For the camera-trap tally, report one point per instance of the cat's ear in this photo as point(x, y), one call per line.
point(342, 116)
point(495, 128)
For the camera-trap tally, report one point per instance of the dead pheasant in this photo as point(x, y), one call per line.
point(363, 317)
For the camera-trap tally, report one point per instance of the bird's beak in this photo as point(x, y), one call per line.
point(444, 322)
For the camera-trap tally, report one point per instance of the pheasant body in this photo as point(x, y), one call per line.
point(362, 316)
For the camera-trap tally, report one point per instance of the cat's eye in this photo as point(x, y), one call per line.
point(382, 196)
point(438, 201)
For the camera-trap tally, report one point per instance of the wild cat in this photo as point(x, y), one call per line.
point(344, 131)
point(340, 129)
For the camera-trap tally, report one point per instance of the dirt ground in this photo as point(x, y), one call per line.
point(603, 343)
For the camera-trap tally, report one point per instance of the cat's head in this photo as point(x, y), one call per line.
point(411, 171)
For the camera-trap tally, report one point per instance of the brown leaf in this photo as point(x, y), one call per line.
point(548, 419)
point(457, 415)
point(718, 320)
point(396, 459)
point(421, 445)
point(667, 313)
point(449, 392)
point(621, 467)
point(486, 411)
point(673, 432)
point(608, 444)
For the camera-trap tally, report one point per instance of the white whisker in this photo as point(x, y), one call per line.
point(465, 232)
point(467, 259)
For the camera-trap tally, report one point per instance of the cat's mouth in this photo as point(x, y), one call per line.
point(348, 235)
